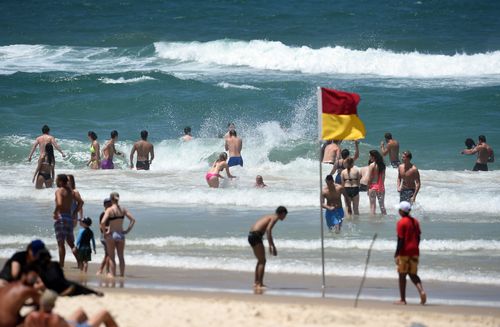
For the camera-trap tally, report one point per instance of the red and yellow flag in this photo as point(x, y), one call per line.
point(338, 115)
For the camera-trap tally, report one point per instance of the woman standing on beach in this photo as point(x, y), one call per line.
point(213, 174)
point(376, 188)
point(350, 177)
point(95, 156)
point(114, 233)
point(44, 173)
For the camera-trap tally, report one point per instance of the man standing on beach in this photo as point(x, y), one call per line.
point(108, 151)
point(392, 149)
point(262, 226)
point(63, 224)
point(484, 154)
point(145, 153)
point(408, 179)
point(233, 146)
point(42, 141)
point(407, 252)
point(331, 201)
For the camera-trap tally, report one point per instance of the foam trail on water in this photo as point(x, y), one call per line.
point(122, 80)
point(226, 85)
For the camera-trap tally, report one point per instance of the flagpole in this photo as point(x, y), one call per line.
point(320, 191)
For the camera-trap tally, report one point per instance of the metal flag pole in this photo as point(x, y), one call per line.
point(320, 191)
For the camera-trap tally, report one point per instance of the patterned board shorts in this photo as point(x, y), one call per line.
point(64, 229)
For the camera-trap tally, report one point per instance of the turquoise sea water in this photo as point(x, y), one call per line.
point(427, 71)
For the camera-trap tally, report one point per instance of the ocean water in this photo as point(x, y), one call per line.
point(427, 71)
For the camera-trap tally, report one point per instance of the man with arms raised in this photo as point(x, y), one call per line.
point(484, 154)
point(233, 146)
point(145, 153)
point(331, 201)
point(63, 224)
point(392, 149)
point(407, 252)
point(408, 179)
point(43, 140)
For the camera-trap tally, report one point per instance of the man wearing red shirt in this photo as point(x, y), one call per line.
point(407, 252)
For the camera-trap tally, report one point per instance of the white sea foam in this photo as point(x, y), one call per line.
point(122, 80)
point(222, 57)
point(274, 55)
point(226, 85)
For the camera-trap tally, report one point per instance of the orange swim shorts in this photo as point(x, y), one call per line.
point(408, 265)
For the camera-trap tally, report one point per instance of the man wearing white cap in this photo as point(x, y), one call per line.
point(407, 252)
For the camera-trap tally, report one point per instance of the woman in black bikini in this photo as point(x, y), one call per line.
point(350, 177)
point(44, 173)
point(114, 233)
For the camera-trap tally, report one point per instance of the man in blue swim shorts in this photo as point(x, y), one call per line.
point(233, 146)
point(331, 201)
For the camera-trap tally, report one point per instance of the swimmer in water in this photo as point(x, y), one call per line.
point(259, 182)
point(213, 175)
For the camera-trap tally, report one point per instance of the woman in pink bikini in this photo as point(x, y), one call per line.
point(213, 174)
point(376, 188)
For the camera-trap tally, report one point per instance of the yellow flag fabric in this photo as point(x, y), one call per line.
point(337, 112)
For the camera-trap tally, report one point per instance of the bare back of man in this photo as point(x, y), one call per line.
point(145, 154)
point(391, 148)
point(331, 153)
point(12, 298)
point(233, 146)
point(41, 141)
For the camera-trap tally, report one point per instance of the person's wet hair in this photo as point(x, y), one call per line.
point(63, 179)
point(469, 143)
point(408, 154)
point(115, 197)
point(349, 163)
point(329, 178)
point(45, 129)
point(49, 151)
point(388, 136)
point(379, 161)
point(71, 181)
point(232, 132)
point(187, 130)
point(114, 134)
point(281, 210)
point(482, 138)
point(223, 156)
point(344, 154)
point(144, 135)
point(92, 135)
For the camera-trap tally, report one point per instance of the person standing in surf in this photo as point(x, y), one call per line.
point(408, 179)
point(234, 145)
point(114, 233)
point(230, 127)
point(95, 151)
point(43, 140)
point(145, 153)
point(213, 175)
point(44, 173)
point(187, 134)
point(340, 165)
point(331, 201)
point(350, 178)
point(376, 188)
point(392, 148)
point(109, 150)
point(264, 226)
point(407, 252)
point(484, 154)
point(63, 222)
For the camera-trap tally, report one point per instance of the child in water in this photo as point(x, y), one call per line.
point(259, 182)
point(84, 252)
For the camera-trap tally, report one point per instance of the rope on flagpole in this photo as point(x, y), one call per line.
point(366, 269)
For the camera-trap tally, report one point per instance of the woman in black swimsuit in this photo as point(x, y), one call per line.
point(350, 177)
point(44, 173)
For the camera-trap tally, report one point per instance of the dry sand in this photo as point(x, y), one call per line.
point(150, 308)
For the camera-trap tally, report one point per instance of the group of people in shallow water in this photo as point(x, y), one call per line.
point(350, 180)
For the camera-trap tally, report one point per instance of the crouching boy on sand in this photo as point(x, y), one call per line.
point(262, 226)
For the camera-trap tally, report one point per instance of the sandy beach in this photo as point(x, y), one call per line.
point(147, 308)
